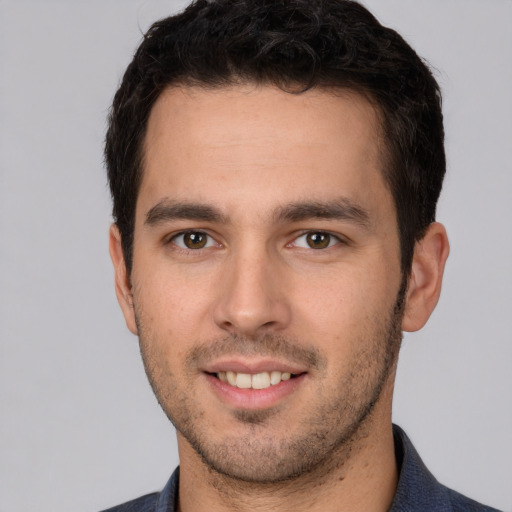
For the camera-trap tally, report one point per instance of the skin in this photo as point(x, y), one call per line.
point(253, 170)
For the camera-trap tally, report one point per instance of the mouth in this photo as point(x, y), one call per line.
point(254, 384)
point(261, 380)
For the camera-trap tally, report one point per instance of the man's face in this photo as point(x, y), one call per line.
point(266, 245)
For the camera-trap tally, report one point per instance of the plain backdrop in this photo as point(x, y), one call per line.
point(79, 427)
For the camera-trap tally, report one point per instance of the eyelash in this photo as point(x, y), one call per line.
point(326, 240)
point(210, 241)
point(332, 240)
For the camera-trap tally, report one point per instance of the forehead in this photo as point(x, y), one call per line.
point(247, 138)
point(211, 114)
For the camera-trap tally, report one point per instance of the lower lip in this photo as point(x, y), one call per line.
point(253, 399)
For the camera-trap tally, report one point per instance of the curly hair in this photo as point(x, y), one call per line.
point(295, 45)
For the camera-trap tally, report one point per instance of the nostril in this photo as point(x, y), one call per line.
point(249, 312)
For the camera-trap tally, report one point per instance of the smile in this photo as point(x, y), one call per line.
point(260, 380)
point(253, 386)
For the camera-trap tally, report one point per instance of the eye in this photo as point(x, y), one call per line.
point(316, 240)
point(193, 240)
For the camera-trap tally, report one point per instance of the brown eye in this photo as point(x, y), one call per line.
point(193, 240)
point(318, 240)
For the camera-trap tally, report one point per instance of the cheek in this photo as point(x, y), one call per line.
point(342, 307)
point(172, 306)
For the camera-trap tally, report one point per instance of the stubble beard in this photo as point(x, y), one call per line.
point(324, 439)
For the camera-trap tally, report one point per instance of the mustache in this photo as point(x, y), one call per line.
point(269, 345)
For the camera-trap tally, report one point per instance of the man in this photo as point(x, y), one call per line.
point(275, 169)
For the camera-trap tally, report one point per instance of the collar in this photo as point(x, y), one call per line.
point(417, 488)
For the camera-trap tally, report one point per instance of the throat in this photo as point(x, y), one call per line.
point(360, 477)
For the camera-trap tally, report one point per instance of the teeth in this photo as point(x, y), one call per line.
point(275, 378)
point(261, 380)
point(243, 380)
point(231, 376)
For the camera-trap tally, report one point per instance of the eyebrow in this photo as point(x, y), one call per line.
point(341, 209)
point(168, 210)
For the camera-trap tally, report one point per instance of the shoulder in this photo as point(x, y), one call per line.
point(143, 504)
point(418, 489)
point(462, 503)
point(157, 501)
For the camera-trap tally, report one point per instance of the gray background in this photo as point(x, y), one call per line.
point(79, 427)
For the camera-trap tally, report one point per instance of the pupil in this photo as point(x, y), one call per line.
point(195, 240)
point(318, 240)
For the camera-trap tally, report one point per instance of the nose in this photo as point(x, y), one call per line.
point(252, 298)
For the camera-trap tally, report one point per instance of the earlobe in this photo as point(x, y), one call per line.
point(122, 279)
point(430, 254)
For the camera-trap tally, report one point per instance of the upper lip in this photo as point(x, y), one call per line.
point(252, 366)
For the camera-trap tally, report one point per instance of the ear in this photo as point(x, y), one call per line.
point(430, 254)
point(122, 279)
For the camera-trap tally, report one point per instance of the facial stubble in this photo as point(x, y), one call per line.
point(324, 438)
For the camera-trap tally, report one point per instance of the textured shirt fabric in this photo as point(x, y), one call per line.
point(417, 491)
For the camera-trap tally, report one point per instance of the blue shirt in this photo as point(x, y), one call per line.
point(417, 491)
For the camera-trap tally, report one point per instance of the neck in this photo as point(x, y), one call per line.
point(360, 476)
